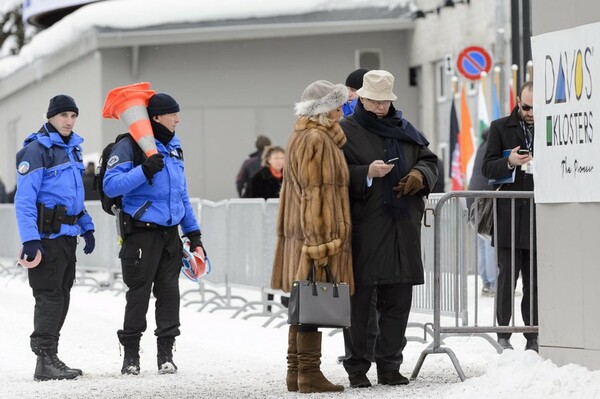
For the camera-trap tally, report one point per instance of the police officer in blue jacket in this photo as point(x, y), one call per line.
point(51, 214)
point(154, 203)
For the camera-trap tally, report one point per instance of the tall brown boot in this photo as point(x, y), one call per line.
point(310, 378)
point(292, 360)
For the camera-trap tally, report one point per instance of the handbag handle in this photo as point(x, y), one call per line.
point(330, 279)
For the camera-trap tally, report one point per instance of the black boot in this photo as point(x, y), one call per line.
point(131, 359)
point(50, 367)
point(164, 355)
point(78, 371)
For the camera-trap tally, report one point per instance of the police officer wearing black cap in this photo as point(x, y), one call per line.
point(155, 201)
point(50, 215)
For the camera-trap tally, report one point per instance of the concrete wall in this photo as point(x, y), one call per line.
point(568, 239)
point(230, 92)
point(23, 112)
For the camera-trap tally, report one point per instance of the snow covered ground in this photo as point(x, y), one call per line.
point(221, 357)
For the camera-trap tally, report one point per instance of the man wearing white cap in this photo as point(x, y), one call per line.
point(391, 170)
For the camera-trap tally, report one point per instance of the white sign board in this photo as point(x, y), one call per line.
point(567, 153)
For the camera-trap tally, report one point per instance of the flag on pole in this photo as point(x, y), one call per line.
point(511, 98)
point(495, 103)
point(455, 174)
point(482, 115)
point(465, 138)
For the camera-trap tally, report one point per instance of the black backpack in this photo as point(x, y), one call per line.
point(138, 158)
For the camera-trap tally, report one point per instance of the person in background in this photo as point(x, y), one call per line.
point(266, 182)
point(155, 204)
point(440, 184)
point(354, 81)
point(3, 194)
point(391, 172)
point(50, 215)
point(251, 165)
point(313, 224)
point(486, 262)
point(510, 152)
point(91, 194)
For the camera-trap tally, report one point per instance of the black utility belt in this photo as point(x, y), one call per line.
point(147, 225)
point(50, 220)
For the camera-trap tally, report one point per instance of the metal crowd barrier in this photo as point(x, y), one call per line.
point(450, 272)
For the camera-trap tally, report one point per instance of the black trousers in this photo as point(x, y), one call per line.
point(151, 260)
point(51, 282)
point(393, 306)
point(504, 288)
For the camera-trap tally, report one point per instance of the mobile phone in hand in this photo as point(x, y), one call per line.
point(523, 152)
point(391, 160)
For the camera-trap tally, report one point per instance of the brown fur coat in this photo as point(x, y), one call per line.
point(314, 211)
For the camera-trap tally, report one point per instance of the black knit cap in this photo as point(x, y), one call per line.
point(160, 104)
point(355, 79)
point(61, 103)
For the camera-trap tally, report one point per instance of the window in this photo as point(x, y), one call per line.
point(441, 81)
point(368, 58)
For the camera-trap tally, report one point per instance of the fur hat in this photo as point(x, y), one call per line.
point(160, 104)
point(355, 79)
point(61, 103)
point(377, 85)
point(320, 97)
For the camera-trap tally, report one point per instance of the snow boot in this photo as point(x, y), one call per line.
point(310, 378)
point(292, 360)
point(50, 367)
point(63, 363)
point(164, 355)
point(131, 359)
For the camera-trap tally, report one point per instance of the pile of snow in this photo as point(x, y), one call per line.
point(221, 357)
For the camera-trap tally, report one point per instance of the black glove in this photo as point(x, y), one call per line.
point(195, 242)
point(30, 249)
point(153, 165)
point(90, 241)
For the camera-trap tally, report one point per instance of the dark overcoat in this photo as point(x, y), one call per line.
point(505, 134)
point(385, 250)
point(263, 184)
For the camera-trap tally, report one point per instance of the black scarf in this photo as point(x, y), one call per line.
point(161, 133)
point(396, 130)
point(51, 129)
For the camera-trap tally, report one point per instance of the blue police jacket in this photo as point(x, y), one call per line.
point(50, 172)
point(165, 201)
point(348, 108)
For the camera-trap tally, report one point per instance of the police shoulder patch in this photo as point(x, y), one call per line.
point(23, 167)
point(112, 161)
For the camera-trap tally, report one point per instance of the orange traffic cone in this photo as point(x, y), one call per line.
point(128, 103)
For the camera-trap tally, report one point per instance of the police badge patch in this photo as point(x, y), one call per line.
point(112, 161)
point(23, 167)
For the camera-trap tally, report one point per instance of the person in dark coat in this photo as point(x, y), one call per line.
point(508, 136)
point(266, 182)
point(391, 170)
point(486, 264)
point(251, 165)
point(3, 194)
point(89, 176)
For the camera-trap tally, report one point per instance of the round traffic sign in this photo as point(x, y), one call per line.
point(472, 61)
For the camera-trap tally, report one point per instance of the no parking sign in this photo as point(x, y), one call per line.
point(472, 61)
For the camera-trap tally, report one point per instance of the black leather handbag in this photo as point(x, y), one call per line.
point(320, 303)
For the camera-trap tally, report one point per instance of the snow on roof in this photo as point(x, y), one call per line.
point(136, 14)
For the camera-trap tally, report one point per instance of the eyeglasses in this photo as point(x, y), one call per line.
point(376, 103)
point(526, 107)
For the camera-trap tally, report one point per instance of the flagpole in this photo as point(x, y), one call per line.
point(529, 73)
point(454, 86)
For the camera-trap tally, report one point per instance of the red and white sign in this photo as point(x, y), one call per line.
point(472, 61)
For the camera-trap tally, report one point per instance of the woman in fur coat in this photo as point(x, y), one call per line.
point(313, 225)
